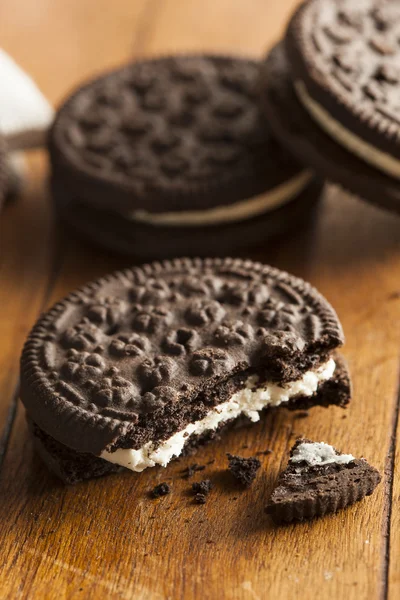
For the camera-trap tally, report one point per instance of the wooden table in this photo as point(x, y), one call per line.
point(106, 538)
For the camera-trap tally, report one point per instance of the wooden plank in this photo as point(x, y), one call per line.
point(357, 268)
point(228, 548)
point(107, 539)
point(61, 43)
point(223, 26)
point(393, 512)
point(26, 262)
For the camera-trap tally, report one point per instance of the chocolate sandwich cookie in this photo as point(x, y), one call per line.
point(131, 370)
point(331, 94)
point(174, 147)
point(320, 480)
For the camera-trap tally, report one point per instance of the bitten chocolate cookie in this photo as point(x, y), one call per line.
point(169, 148)
point(320, 480)
point(132, 369)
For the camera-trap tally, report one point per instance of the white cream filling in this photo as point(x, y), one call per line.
point(239, 211)
point(380, 160)
point(247, 401)
point(319, 453)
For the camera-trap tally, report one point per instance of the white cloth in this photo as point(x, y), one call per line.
point(25, 114)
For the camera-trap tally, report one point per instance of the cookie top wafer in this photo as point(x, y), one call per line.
point(345, 62)
point(117, 358)
point(320, 480)
point(169, 134)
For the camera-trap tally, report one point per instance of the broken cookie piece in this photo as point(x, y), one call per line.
point(244, 469)
point(320, 480)
point(201, 490)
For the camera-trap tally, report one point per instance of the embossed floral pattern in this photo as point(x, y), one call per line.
point(233, 334)
point(83, 336)
point(107, 310)
point(156, 371)
point(208, 361)
point(81, 366)
point(127, 344)
point(115, 391)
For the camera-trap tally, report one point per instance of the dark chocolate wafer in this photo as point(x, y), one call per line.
point(320, 480)
point(142, 240)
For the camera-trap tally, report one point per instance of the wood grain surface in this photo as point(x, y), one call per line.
point(107, 538)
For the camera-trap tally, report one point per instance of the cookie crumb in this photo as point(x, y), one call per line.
point(162, 489)
point(200, 498)
point(192, 469)
point(202, 487)
point(243, 469)
point(394, 295)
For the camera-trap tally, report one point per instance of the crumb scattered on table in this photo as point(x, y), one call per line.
point(243, 469)
point(192, 469)
point(162, 489)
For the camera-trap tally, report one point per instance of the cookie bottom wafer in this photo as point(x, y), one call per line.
point(142, 240)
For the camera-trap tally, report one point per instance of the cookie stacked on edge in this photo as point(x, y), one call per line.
point(331, 92)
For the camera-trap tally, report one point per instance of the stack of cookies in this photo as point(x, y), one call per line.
point(331, 93)
point(176, 155)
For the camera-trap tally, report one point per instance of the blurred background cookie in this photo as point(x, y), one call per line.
point(168, 156)
point(331, 92)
